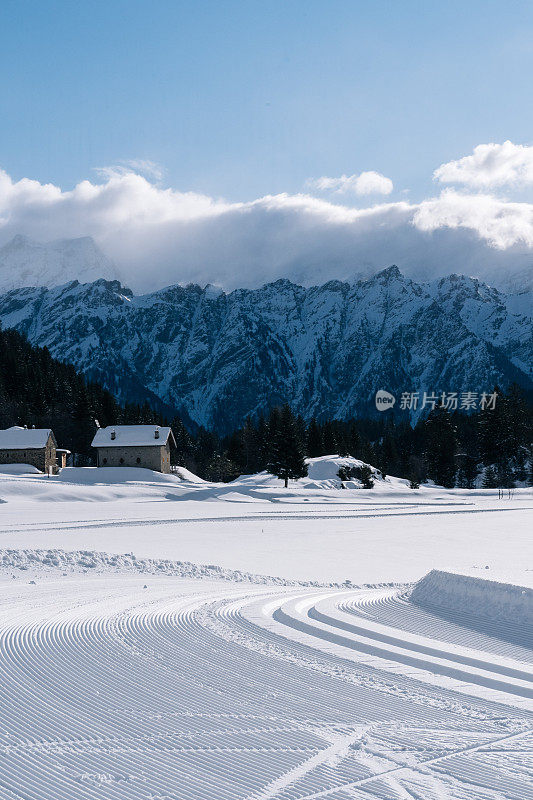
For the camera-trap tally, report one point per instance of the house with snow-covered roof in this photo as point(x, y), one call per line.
point(134, 446)
point(35, 446)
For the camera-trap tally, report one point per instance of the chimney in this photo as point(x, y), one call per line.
point(113, 435)
point(156, 433)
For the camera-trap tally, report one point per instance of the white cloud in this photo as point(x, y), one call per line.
point(499, 222)
point(159, 236)
point(141, 166)
point(490, 166)
point(364, 183)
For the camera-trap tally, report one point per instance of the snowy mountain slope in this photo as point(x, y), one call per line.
point(24, 262)
point(326, 349)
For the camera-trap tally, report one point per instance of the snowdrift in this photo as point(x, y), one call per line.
point(89, 484)
point(478, 596)
point(19, 469)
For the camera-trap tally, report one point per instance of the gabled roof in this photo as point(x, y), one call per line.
point(132, 436)
point(17, 438)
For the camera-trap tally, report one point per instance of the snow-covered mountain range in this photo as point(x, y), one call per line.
point(24, 262)
point(219, 356)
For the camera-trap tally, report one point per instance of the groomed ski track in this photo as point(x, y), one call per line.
point(154, 688)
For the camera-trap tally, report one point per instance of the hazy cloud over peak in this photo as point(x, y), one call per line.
point(159, 236)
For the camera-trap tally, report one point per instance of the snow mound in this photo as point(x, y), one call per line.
point(19, 469)
point(113, 475)
point(323, 471)
point(477, 596)
point(323, 474)
point(187, 475)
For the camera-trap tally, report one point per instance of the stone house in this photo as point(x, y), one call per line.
point(145, 446)
point(35, 446)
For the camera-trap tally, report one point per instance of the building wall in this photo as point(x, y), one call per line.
point(155, 457)
point(42, 457)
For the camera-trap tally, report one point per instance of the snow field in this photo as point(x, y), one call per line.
point(306, 533)
point(155, 687)
point(146, 654)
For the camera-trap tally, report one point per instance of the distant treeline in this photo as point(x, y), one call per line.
point(448, 448)
point(451, 449)
point(36, 389)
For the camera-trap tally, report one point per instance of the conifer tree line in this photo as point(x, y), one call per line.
point(37, 390)
point(451, 449)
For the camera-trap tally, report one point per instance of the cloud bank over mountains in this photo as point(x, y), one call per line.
point(158, 236)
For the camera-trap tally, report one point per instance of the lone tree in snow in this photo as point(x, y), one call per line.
point(287, 448)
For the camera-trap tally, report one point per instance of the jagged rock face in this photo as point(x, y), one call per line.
point(325, 349)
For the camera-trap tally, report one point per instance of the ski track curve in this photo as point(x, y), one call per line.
point(196, 690)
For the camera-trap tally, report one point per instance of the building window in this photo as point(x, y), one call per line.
point(138, 460)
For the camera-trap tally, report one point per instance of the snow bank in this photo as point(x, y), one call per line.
point(83, 561)
point(474, 595)
point(19, 469)
point(187, 475)
point(40, 562)
point(112, 475)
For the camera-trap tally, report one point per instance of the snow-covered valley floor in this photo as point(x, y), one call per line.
point(133, 678)
point(310, 531)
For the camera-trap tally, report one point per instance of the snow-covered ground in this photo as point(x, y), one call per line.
point(129, 671)
point(310, 531)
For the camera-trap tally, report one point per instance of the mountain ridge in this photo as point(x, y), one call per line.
point(218, 356)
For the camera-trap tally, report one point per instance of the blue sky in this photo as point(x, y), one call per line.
point(241, 99)
point(234, 142)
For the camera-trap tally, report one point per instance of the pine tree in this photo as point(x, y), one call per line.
point(250, 454)
point(353, 439)
point(492, 430)
point(329, 439)
point(467, 473)
point(518, 428)
point(504, 475)
point(441, 447)
point(415, 471)
point(221, 469)
point(490, 480)
point(365, 475)
point(315, 443)
point(262, 443)
point(287, 452)
point(183, 452)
